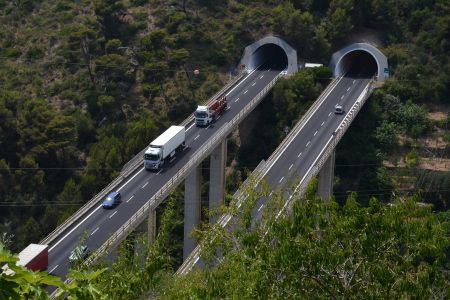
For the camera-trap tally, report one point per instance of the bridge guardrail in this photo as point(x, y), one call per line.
point(138, 159)
point(196, 158)
point(339, 133)
point(128, 169)
point(260, 171)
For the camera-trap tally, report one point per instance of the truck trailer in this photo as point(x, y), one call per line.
point(204, 115)
point(34, 257)
point(164, 147)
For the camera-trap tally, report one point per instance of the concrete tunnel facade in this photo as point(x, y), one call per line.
point(374, 58)
point(270, 47)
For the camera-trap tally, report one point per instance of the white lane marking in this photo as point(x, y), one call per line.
point(315, 133)
point(129, 180)
point(95, 230)
point(281, 179)
point(51, 271)
point(112, 215)
point(262, 205)
point(245, 92)
point(70, 232)
point(348, 89)
point(261, 77)
point(325, 96)
point(354, 81)
point(171, 161)
point(242, 80)
point(208, 126)
point(218, 117)
point(300, 154)
point(269, 70)
point(330, 114)
point(322, 123)
point(291, 166)
point(253, 83)
point(197, 137)
point(145, 185)
point(307, 144)
point(190, 126)
point(342, 97)
point(271, 193)
point(236, 100)
point(159, 172)
point(130, 198)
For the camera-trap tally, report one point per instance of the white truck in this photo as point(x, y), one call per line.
point(164, 147)
point(34, 257)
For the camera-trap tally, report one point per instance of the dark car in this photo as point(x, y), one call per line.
point(111, 200)
point(79, 253)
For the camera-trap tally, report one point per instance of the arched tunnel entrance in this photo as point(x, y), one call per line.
point(360, 60)
point(270, 52)
point(358, 64)
point(268, 56)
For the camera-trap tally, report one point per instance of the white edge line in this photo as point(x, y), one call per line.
point(130, 179)
point(245, 78)
point(53, 269)
point(190, 126)
point(300, 129)
point(67, 234)
point(262, 205)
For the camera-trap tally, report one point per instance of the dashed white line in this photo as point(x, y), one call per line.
point(281, 179)
point(197, 137)
point(145, 185)
point(261, 77)
point(322, 123)
point(300, 154)
point(127, 182)
point(271, 193)
point(236, 100)
point(95, 230)
point(112, 215)
point(291, 166)
point(329, 114)
point(208, 126)
point(53, 269)
point(262, 205)
point(245, 92)
point(315, 133)
point(342, 97)
point(130, 198)
point(173, 158)
point(253, 83)
point(307, 144)
point(218, 118)
point(354, 81)
point(348, 89)
point(190, 126)
point(159, 172)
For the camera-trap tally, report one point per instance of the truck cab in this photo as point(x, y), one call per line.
point(153, 158)
point(203, 116)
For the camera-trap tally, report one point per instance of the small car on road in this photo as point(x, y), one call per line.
point(80, 252)
point(338, 109)
point(111, 200)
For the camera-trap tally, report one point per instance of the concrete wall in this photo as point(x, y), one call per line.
point(381, 60)
point(252, 56)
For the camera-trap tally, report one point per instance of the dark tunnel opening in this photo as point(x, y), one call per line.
point(359, 64)
point(269, 56)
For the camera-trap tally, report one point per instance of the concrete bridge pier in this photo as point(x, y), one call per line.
point(326, 176)
point(192, 205)
point(151, 226)
point(217, 179)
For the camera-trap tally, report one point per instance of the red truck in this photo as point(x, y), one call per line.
point(34, 257)
point(204, 115)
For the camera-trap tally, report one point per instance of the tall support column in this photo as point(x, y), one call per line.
point(151, 231)
point(192, 193)
point(217, 178)
point(326, 176)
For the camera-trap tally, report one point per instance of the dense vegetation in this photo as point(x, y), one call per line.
point(85, 85)
point(322, 250)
